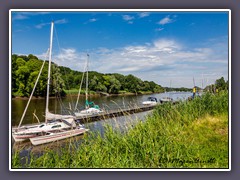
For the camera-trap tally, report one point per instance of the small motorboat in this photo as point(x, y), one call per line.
point(166, 99)
point(150, 101)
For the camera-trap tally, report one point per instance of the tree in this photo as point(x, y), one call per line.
point(57, 81)
point(112, 84)
point(221, 84)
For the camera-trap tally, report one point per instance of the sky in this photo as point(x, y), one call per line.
point(171, 48)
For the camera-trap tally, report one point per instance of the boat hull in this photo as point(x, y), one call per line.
point(88, 112)
point(149, 103)
point(57, 136)
point(21, 138)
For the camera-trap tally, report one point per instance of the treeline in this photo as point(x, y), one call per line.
point(181, 89)
point(220, 85)
point(25, 70)
point(110, 83)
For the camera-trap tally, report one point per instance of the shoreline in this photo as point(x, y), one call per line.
point(89, 95)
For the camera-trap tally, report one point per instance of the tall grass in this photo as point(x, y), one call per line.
point(191, 134)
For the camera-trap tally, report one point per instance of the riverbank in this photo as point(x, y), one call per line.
point(74, 93)
point(190, 134)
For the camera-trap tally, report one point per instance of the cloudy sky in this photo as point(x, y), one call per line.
point(169, 48)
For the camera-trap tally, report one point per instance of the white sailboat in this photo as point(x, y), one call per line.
point(90, 107)
point(51, 137)
point(54, 123)
point(166, 98)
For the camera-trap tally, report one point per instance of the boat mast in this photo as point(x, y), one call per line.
point(49, 71)
point(86, 105)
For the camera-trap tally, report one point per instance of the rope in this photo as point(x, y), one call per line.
point(25, 110)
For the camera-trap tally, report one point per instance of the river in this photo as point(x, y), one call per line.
point(105, 102)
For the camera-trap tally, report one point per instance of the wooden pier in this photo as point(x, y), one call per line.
point(112, 114)
point(106, 115)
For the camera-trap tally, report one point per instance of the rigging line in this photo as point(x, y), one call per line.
point(60, 50)
point(85, 67)
point(25, 110)
point(58, 95)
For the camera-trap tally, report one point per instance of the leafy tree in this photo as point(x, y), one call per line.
point(221, 84)
point(57, 82)
point(112, 84)
point(25, 70)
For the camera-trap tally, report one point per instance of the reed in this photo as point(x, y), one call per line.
point(190, 134)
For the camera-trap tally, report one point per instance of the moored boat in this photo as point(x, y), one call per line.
point(150, 101)
point(90, 107)
point(166, 99)
point(54, 123)
point(51, 137)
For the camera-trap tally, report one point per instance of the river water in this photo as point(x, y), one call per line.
point(37, 106)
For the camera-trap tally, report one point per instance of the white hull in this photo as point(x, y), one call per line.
point(28, 132)
point(88, 112)
point(166, 99)
point(149, 103)
point(57, 136)
point(21, 138)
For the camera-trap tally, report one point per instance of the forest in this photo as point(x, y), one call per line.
point(64, 80)
point(25, 70)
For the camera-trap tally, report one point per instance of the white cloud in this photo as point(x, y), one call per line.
point(166, 20)
point(93, 20)
point(158, 61)
point(39, 26)
point(70, 58)
point(59, 21)
point(25, 15)
point(127, 17)
point(19, 17)
point(159, 29)
point(143, 14)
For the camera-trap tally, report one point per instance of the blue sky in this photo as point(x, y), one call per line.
point(156, 46)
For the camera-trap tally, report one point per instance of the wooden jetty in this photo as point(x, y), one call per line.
point(107, 114)
point(112, 114)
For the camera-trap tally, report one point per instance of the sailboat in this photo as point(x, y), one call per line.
point(166, 98)
point(90, 107)
point(57, 125)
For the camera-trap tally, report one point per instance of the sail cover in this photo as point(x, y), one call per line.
point(51, 116)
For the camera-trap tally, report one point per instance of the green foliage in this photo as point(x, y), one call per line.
point(111, 83)
point(25, 70)
point(220, 85)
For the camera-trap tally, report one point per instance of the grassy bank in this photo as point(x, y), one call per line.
point(187, 135)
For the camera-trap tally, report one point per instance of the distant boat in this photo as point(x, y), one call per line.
point(166, 99)
point(90, 107)
point(150, 101)
point(55, 124)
